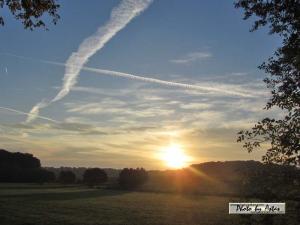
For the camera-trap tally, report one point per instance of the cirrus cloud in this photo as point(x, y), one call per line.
point(192, 57)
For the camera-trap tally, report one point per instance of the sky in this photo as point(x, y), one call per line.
point(117, 82)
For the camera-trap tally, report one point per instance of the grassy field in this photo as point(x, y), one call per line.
point(61, 205)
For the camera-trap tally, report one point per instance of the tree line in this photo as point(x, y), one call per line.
point(23, 167)
point(243, 178)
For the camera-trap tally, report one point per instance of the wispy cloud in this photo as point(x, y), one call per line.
point(195, 106)
point(119, 18)
point(58, 128)
point(114, 107)
point(192, 57)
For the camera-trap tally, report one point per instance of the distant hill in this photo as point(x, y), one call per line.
point(228, 171)
point(229, 177)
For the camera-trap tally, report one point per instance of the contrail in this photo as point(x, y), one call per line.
point(35, 111)
point(28, 114)
point(220, 90)
point(168, 83)
point(119, 18)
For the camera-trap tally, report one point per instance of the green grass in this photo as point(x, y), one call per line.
point(71, 205)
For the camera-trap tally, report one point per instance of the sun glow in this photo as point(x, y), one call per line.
point(174, 156)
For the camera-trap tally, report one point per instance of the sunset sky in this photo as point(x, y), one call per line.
point(169, 72)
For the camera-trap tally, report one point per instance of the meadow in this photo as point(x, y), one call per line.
point(30, 204)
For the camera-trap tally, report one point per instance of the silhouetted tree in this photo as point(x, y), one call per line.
point(283, 18)
point(22, 167)
point(132, 178)
point(38, 176)
point(19, 160)
point(66, 177)
point(30, 12)
point(46, 176)
point(271, 182)
point(94, 176)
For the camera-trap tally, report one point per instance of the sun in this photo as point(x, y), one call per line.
point(174, 156)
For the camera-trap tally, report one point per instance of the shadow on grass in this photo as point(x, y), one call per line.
point(64, 195)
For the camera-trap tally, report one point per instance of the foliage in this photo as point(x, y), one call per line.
point(45, 176)
point(132, 178)
point(22, 167)
point(18, 175)
point(283, 135)
point(30, 12)
point(66, 177)
point(17, 159)
point(79, 171)
point(94, 176)
point(272, 182)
